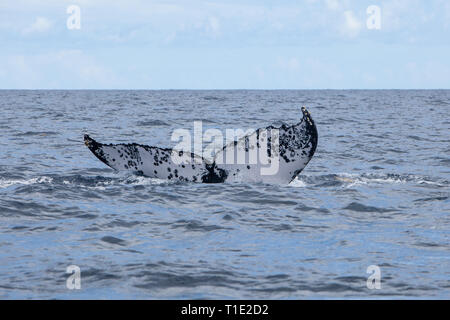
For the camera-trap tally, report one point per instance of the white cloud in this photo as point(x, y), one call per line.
point(332, 4)
point(213, 25)
point(40, 25)
point(447, 16)
point(306, 72)
point(351, 26)
point(56, 70)
point(427, 74)
point(289, 64)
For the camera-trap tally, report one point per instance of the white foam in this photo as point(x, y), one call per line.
point(145, 181)
point(297, 183)
point(130, 181)
point(356, 179)
point(5, 183)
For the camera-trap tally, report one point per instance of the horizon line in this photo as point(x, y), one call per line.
point(218, 89)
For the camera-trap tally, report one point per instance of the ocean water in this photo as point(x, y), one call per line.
point(375, 193)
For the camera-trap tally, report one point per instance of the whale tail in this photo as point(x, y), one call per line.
point(291, 148)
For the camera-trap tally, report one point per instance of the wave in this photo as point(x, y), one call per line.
point(5, 183)
point(90, 182)
point(345, 180)
point(349, 180)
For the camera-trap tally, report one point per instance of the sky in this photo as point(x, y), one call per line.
point(303, 44)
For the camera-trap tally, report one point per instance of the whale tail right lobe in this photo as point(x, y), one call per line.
point(273, 161)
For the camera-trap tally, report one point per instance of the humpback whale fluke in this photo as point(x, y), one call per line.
point(295, 147)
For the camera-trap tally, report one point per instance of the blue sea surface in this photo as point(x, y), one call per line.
point(377, 192)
